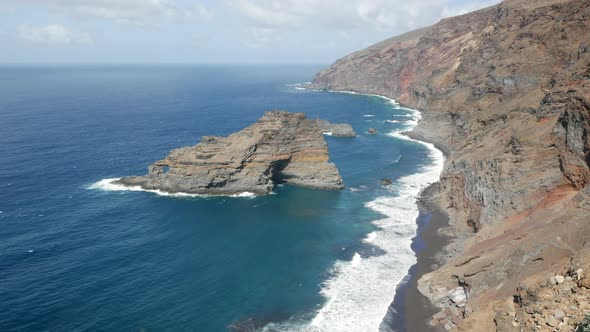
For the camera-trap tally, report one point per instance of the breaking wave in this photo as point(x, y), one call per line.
point(360, 291)
point(110, 185)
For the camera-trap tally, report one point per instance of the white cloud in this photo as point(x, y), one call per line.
point(260, 37)
point(271, 14)
point(53, 34)
point(357, 22)
point(130, 11)
point(381, 14)
point(204, 12)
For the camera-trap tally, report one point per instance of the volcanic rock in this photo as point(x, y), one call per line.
point(385, 182)
point(505, 93)
point(281, 147)
point(336, 129)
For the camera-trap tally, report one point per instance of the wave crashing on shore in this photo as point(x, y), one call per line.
point(360, 291)
point(110, 185)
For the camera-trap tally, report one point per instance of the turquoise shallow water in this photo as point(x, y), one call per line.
point(74, 258)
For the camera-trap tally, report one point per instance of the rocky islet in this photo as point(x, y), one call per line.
point(281, 147)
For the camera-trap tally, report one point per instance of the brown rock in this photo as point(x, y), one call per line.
point(385, 182)
point(505, 92)
point(559, 314)
point(551, 321)
point(281, 147)
point(336, 129)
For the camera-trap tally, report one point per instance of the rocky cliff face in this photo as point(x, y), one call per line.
point(280, 148)
point(505, 92)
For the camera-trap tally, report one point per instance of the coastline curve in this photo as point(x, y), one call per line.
point(360, 291)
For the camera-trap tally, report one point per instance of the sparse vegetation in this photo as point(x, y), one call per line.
point(584, 325)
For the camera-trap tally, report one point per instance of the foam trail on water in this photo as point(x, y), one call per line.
point(110, 185)
point(360, 291)
point(302, 86)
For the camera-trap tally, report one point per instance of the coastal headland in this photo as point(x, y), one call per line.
point(504, 92)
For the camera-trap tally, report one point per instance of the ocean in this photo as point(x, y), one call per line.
point(78, 256)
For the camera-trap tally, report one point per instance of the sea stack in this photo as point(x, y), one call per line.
point(336, 129)
point(281, 147)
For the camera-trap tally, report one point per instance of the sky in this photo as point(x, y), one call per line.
point(208, 31)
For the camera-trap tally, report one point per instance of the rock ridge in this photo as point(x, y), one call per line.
point(281, 147)
point(505, 91)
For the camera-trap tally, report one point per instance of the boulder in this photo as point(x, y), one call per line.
point(385, 182)
point(551, 321)
point(458, 295)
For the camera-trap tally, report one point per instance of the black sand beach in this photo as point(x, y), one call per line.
point(410, 310)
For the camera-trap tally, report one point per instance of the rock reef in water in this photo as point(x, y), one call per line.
point(336, 129)
point(281, 147)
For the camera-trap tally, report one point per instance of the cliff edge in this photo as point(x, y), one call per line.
point(281, 147)
point(505, 92)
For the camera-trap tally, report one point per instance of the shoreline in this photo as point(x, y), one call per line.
point(404, 287)
point(410, 310)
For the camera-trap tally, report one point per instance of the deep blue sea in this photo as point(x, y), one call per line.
point(74, 257)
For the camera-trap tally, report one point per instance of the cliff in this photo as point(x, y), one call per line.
point(280, 147)
point(505, 92)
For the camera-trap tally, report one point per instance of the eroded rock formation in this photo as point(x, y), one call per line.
point(505, 93)
point(336, 129)
point(281, 147)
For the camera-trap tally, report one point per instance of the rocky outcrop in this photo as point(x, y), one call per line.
point(560, 302)
point(504, 91)
point(336, 129)
point(280, 148)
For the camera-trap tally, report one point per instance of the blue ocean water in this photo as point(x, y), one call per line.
point(73, 258)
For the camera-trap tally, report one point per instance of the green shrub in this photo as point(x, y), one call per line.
point(584, 325)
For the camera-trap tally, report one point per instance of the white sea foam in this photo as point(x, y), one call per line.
point(327, 133)
point(368, 115)
point(302, 86)
point(370, 237)
point(360, 291)
point(244, 194)
point(408, 122)
point(110, 185)
point(359, 188)
point(356, 260)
